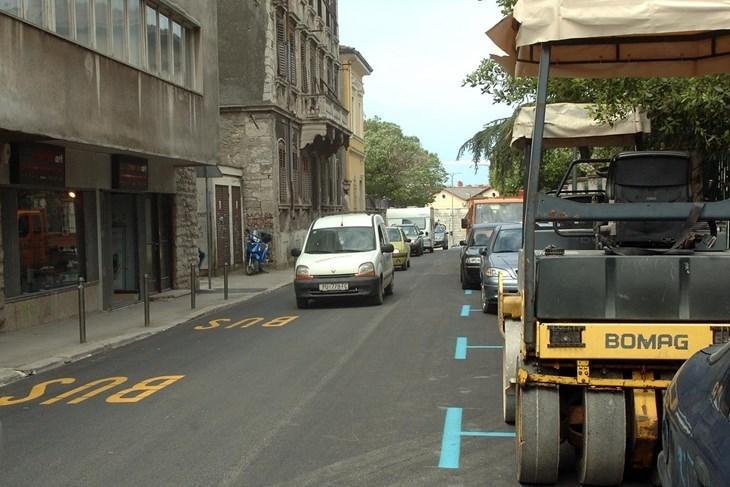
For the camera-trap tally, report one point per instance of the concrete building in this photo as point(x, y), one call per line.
point(450, 206)
point(282, 121)
point(354, 69)
point(106, 106)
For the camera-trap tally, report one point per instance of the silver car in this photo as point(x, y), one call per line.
point(500, 258)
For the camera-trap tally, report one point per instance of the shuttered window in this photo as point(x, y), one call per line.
point(322, 88)
point(313, 63)
point(292, 50)
point(283, 173)
point(281, 47)
point(297, 176)
point(305, 73)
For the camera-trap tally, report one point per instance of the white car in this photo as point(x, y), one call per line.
point(343, 256)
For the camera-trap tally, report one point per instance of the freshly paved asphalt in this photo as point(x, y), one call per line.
point(345, 395)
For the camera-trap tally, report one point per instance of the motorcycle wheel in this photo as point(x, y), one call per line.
point(251, 267)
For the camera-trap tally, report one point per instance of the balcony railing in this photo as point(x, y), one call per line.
point(324, 107)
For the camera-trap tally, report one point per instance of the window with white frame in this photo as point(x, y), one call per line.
point(137, 32)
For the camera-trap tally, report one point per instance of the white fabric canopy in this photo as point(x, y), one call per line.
point(573, 125)
point(617, 38)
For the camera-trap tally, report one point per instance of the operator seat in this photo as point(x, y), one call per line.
point(649, 177)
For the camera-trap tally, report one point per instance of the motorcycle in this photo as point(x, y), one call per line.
point(257, 251)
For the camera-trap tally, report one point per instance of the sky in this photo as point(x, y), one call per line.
point(420, 51)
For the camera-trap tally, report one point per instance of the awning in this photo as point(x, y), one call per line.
point(620, 38)
point(573, 125)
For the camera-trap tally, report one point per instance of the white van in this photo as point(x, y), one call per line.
point(344, 255)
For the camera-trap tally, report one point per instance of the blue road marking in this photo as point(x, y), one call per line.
point(467, 292)
point(462, 345)
point(465, 310)
point(451, 439)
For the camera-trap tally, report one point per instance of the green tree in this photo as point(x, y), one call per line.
point(397, 167)
point(686, 113)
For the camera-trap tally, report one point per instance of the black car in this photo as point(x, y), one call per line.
point(471, 254)
point(696, 426)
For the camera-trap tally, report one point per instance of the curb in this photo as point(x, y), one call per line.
point(11, 375)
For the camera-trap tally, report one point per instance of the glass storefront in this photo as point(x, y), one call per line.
point(49, 237)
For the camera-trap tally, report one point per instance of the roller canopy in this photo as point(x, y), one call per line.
point(573, 125)
point(620, 38)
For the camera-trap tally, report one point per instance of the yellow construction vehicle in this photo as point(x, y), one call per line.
point(602, 330)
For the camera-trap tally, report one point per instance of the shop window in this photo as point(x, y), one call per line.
point(49, 240)
point(283, 173)
point(10, 6)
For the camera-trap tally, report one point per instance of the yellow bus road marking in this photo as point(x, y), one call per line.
point(134, 394)
point(278, 322)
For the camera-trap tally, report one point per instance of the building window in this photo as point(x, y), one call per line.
point(178, 60)
point(83, 22)
point(34, 12)
point(297, 176)
point(101, 16)
point(134, 32)
point(62, 18)
point(165, 49)
point(313, 64)
point(152, 42)
point(292, 50)
point(10, 6)
point(49, 239)
point(117, 37)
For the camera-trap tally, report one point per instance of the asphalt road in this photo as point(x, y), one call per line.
point(341, 395)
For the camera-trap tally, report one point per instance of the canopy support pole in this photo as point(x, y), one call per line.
point(531, 199)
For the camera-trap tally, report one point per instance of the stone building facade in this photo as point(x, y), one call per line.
point(282, 120)
point(354, 68)
point(106, 106)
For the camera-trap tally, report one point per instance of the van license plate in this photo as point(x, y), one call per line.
point(334, 286)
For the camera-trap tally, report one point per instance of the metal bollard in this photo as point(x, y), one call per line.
point(82, 311)
point(146, 298)
point(225, 280)
point(192, 286)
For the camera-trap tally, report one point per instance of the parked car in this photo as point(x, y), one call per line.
point(402, 245)
point(416, 237)
point(344, 256)
point(696, 424)
point(440, 237)
point(471, 254)
point(500, 258)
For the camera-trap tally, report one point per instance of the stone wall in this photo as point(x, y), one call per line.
point(186, 226)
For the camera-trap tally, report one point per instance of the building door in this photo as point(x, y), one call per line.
point(124, 266)
point(222, 225)
point(237, 225)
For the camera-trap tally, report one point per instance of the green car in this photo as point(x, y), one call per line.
point(402, 245)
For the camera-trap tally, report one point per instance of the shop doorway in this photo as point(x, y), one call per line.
point(158, 241)
point(125, 275)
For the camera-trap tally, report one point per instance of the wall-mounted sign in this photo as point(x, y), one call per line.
point(130, 173)
point(38, 165)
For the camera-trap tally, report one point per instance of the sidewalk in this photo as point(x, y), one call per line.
point(40, 348)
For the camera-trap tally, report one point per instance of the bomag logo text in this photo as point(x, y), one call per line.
point(638, 341)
